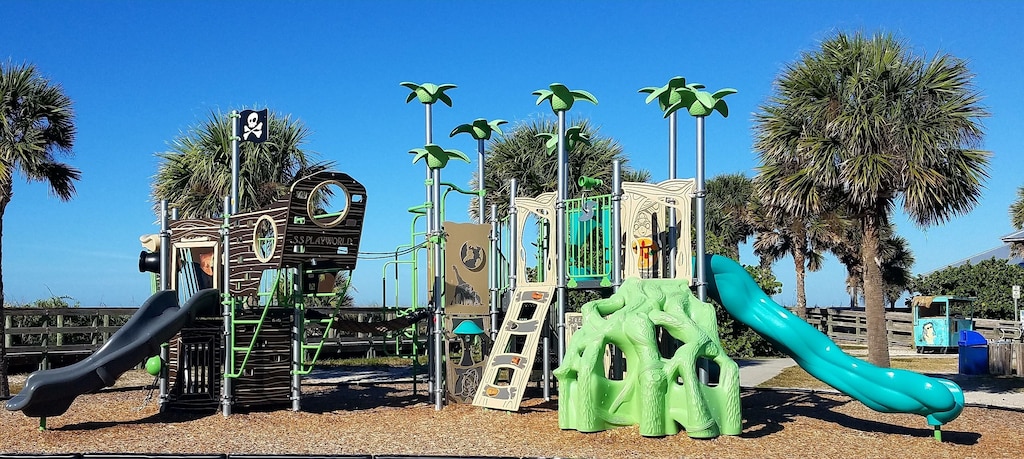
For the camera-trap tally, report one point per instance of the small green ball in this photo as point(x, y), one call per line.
point(153, 365)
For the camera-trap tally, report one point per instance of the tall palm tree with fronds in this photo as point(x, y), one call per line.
point(731, 202)
point(805, 239)
point(519, 153)
point(36, 127)
point(896, 260)
point(897, 263)
point(1017, 219)
point(194, 176)
point(878, 127)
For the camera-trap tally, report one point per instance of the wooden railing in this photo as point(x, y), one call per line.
point(54, 330)
point(850, 326)
point(37, 334)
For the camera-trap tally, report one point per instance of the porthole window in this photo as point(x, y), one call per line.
point(264, 238)
point(328, 204)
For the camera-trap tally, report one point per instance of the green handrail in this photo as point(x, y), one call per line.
point(259, 326)
point(305, 367)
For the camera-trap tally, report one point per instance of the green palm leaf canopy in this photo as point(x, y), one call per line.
point(480, 128)
point(437, 157)
point(562, 98)
point(428, 93)
point(573, 136)
point(701, 103)
point(667, 95)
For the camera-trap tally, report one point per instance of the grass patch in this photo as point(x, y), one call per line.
point(796, 377)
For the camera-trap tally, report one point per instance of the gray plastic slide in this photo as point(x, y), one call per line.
point(50, 392)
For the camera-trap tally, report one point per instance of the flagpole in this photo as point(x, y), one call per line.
point(234, 117)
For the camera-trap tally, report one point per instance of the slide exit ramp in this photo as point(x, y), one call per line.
point(51, 392)
point(885, 390)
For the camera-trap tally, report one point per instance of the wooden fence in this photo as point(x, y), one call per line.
point(37, 335)
point(42, 331)
point(850, 326)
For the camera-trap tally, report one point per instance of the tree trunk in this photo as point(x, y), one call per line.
point(874, 301)
point(5, 388)
point(800, 263)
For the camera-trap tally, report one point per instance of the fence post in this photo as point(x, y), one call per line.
point(828, 322)
point(60, 325)
point(8, 338)
point(888, 331)
point(106, 323)
point(94, 337)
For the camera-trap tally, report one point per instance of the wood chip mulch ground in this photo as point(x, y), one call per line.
point(390, 419)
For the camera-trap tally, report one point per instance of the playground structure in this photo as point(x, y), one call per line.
point(272, 265)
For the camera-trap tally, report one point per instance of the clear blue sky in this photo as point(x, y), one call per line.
point(142, 72)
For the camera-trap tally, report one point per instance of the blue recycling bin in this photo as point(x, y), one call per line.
point(973, 349)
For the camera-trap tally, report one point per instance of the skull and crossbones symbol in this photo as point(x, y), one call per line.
point(253, 126)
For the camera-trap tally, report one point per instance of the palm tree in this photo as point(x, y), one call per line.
point(877, 126)
point(896, 261)
point(36, 126)
point(847, 251)
point(521, 154)
point(731, 201)
point(803, 239)
point(195, 175)
point(1017, 220)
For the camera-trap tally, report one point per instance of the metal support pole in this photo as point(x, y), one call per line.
point(229, 352)
point(298, 332)
point(560, 226)
point(513, 238)
point(438, 294)
point(480, 181)
point(434, 355)
point(703, 370)
point(617, 224)
point(165, 250)
point(673, 230)
point(234, 117)
point(617, 247)
point(492, 270)
point(1017, 318)
point(702, 287)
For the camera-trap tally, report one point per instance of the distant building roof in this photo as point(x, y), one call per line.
point(1001, 252)
point(1014, 237)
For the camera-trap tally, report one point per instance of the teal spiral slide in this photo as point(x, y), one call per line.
point(885, 390)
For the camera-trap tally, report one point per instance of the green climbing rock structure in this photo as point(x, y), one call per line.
point(661, 395)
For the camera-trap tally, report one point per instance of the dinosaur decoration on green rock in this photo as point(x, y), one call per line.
point(661, 395)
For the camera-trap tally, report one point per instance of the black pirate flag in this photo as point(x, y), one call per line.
point(253, 126)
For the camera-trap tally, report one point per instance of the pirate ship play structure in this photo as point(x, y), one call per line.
point(274, 265)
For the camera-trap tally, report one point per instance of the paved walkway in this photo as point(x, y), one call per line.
point(986, 391)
